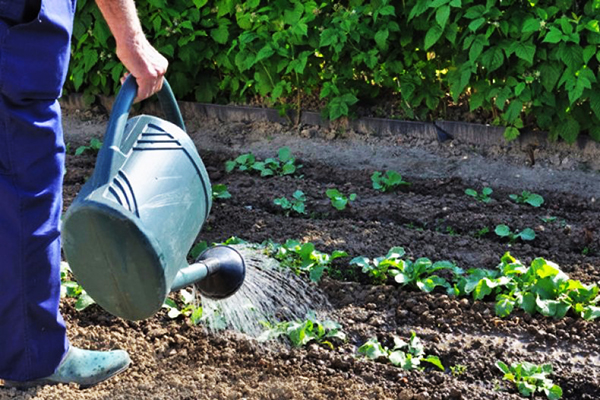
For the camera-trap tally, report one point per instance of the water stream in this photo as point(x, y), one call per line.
point(269, 294)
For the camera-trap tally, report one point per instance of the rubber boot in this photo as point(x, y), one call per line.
point(84, 367)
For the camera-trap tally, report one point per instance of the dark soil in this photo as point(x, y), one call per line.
point(432, 217)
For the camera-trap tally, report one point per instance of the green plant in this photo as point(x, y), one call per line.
point(387, 182)
point(296, 204)
point(301, 333)
point(458, 369)
point(70, 288)
point(379, 268)
point(526, 197)
point(243, 163)
point(284, 164)
point(407, 355)
point(484, 196)
point(303, 257)
point(482, 232)
point(531, 378)
point(220, 192)
point(94, 146)
point(504, 232)
point(418, 273)
point(189, 309)
point(338, 200)
point(542, 287)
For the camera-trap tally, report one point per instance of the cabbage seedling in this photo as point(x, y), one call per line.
point(338, 200)
point(94, 146)
point(484, 196)
point(296, 204)
point(531, 378)
point(526, 197)
point(505, 232)
point(219, 191)
point(301, 333)
point(388, 182)
point(70, 288)
point(406, 355)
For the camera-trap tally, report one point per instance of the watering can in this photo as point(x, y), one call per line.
point(128, 232)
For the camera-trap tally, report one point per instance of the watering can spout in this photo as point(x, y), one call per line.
point(217, 273)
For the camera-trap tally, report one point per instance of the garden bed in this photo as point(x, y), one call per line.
point(432, 217)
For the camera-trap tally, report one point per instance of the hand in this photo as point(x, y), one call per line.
point(145, 63)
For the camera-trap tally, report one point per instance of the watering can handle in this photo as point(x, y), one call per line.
point(110, 162)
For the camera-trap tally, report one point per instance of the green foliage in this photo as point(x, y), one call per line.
point(407, 355)
point(531, 65)
point(387, 182)
point(484, 196)
point(303, 258)
point(418, 273)
point(70, 288)
point(526, 197)
point(189, 307)
point(338, 200)
point(542, 287)
point(284, 164)
point(301, 333)
point(531, 378)
point(504, 232)
point(296, 204)
point(220, 192)
point(94, 146)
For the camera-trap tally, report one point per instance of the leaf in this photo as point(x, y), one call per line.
point(372, 349)
point(503, 367)
point(524, 50)
point(432, 36)
point(531, 25)
point(435, 361)
point(591, 312)
point(568, 130)
point(492, 58)
point(527, 234)
point(442, 14)
point(502, 230)
point(381, 38)
point(84, 301)
point(553, 36)
point(511, 133)
point(505, 304)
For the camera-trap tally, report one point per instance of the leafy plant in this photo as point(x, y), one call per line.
point(190, 308)
point(70, 288)
point(301, 333)
point(406, 355)
point(505, 232)
point(296, 204)
point(220, 192)
point(418, 274)
point(484, 196)
point(284, 164)
point(482, 232)
point(243, 163)
point(526, 197)
point(303, 258)
point(542, 287)
point(387, 182)
point(94, 146)
point(458, 370)
point(531, 378)
point(338, 200)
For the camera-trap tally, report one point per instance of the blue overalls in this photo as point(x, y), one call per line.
point(34, 54)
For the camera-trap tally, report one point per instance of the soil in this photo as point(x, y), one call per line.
point(173, 359)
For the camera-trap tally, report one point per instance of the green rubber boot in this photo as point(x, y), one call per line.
point(83, 367)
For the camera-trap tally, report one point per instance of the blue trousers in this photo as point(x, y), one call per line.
point(34, 54)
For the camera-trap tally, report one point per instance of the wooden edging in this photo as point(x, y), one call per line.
point(465, 133)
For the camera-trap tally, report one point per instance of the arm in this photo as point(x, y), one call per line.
point(142, 60)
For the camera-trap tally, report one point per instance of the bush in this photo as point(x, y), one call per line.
point(531, 64)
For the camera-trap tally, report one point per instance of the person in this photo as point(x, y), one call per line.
point(34, 53)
